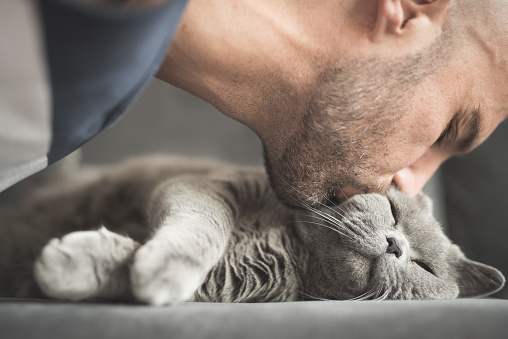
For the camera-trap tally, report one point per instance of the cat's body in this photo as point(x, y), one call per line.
point(160, 229)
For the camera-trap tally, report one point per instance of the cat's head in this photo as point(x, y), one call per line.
point(389, 247)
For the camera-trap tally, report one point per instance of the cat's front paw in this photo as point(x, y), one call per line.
point(84, 264)
point(160, 276)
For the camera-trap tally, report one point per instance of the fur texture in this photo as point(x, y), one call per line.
point(160, 230)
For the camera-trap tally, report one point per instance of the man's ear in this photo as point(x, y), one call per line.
point(399, 17)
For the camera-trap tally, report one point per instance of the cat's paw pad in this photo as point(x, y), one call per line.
point(78, 266)
point(160, 278)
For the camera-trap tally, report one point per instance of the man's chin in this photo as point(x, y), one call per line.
point(309, 184)
point(298, 192)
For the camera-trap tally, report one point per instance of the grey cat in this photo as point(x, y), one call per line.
point(161, 230)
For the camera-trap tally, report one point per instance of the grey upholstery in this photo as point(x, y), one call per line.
point(168, 120)
point(334, 319)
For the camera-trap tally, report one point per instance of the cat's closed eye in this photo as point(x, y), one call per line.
point(424, 266)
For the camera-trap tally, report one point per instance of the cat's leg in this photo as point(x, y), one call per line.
point(86, 264)
point(193, 219)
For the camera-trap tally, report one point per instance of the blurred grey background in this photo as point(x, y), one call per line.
point(166, 119)
point(476, 201)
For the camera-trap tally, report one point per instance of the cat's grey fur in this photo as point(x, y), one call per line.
point(159, 230)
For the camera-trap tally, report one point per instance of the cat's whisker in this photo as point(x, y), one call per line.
point(335, 222)
point(354, 230)
point(332, 220)
point(308, 295)
point(367, 295)
point(327, 216)
point(331, 228)
point(308, 206)
point(341, 225)
point(323, 214)
point(373, 295)
point(382, 296)
point(333, 211)
point(345, 215)
point(376, 295)
point(362, 296)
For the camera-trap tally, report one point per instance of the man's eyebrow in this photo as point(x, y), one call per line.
point(472, 131)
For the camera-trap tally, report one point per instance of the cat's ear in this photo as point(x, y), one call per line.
point(477, 280)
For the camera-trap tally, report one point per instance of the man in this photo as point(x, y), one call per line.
point(347, 96)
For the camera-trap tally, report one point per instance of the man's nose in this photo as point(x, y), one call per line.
point(411, 179)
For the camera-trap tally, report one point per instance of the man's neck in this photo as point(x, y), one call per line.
point(250, 59)
point(225, 44)
point(220, 42)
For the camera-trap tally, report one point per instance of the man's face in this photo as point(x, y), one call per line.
point(449, 113)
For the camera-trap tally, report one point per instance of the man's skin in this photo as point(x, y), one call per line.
point(261, 61)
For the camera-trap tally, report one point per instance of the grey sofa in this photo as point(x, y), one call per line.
point(471, 199)
point(331, 319)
